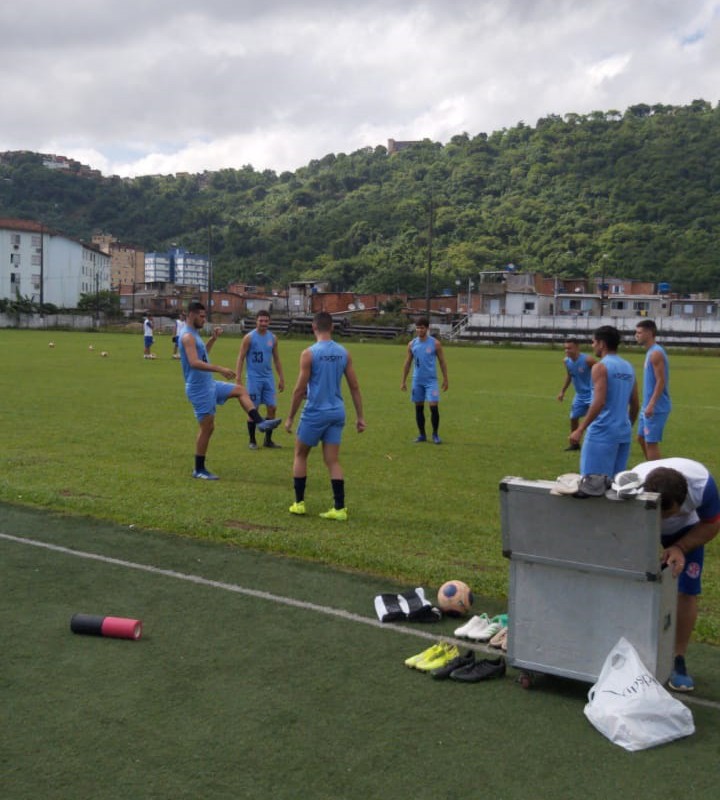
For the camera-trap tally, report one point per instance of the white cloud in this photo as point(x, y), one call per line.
point(169, 85)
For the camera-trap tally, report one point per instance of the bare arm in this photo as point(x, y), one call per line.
point(300, 389)
point(406, 368)
point(565, 385)
point(195, 362)
point(443, 366)
point(242, 355)
point(658, 365)
point(634, 408)
point(700, 534)
point(213, 338)
point(278, 366)
point(354, 387)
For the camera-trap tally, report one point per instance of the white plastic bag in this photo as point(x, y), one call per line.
point(630, 707)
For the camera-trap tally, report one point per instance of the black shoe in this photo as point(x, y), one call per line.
point(272, 445)
point(459, 661)
point(572, 447)
point(480, 671)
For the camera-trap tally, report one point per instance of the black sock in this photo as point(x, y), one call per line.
point(199, 463)
point(255, 416)
point(680, 667)
point(251, 431)
point(299, 485)
point(338, 490)
point(435, 418)
point(268, 437)
point(420, 419)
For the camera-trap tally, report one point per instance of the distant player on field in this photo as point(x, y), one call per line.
point(203, 391)
point(259, 350)
point(179, 325)
point(656, 403)
point(424, 352)
point(322, 368)
point(148, 339)
point(577, 368)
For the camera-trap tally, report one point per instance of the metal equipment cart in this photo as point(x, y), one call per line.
point(584, 572)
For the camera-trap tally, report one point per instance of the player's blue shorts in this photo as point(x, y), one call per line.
point(262, 392)
point(205, 403)
point(651, 428)
point(689, 579)
point(148, 341)
point(425, 392)
point(323, 427)
point(579, 408)
point(603, 458)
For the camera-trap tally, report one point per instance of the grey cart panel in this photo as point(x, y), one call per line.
point(582, 574)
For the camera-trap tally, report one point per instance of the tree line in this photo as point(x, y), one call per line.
point(631, 194)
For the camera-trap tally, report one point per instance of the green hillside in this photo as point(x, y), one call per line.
point(636, 192)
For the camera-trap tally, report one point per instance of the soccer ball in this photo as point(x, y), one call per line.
point(455, 598)
point(91, 347)
point(51, 344)
point(104, 354)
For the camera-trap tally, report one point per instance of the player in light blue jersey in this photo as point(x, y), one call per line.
point(613, 410)
point(322, 368)
point(656, 403)
point(577, 368)
point(258, 353)
point(424, 352)
point(203, 391)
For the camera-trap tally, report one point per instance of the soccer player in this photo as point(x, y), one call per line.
point(424, 352)
point(577, 368)
point(259, 349)
point(690, 510)
point(322, 368)
point(179, 325)
point(148, 340)
point(203, 391)
point(656, 403)
point(612, 412)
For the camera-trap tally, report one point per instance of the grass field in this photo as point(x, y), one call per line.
point(113, 438)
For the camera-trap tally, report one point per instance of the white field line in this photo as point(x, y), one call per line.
point(276, 598)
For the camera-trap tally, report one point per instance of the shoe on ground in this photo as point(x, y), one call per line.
point(204, 475)
point(499, 638)
point(297, 508)
point(431, 652)
point(572, 447)
point(421, 438)
point(447, 654)
point(253, 446)
point(272, 445)
point(268, 424)
point(436, 439)
point(680, 682)
point(480, 671)
point(441, 673)
point(479, 621)
point(339, 514)
point(488, 632)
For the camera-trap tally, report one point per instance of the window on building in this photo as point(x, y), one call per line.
point(14, 258)
point(35, 261)
point(641, 306)
point(36, 240)
point(15, 239)
point(618, 305)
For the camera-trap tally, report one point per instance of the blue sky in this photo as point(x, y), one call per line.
point(163, 86)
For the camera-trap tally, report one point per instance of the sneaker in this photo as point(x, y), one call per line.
point(204, 475)
point(499, 639)
point(487, 633)
point(253, 446)
point(297, 508)
point(441, 673)
point(268, 424)
point(272, 445)
point(680, 682)
point(431, 652)
point(421, 438)
point(339, 514)
point(480, 671)
point(572, 447)
point(480, 621)
point(436, 439)
point(447, 654)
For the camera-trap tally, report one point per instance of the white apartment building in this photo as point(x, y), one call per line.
point(43, 265)
point(177, 266)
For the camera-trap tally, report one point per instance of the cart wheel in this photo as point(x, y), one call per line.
point(526, 680)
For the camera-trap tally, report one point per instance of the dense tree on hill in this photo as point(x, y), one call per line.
point(634, 193)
